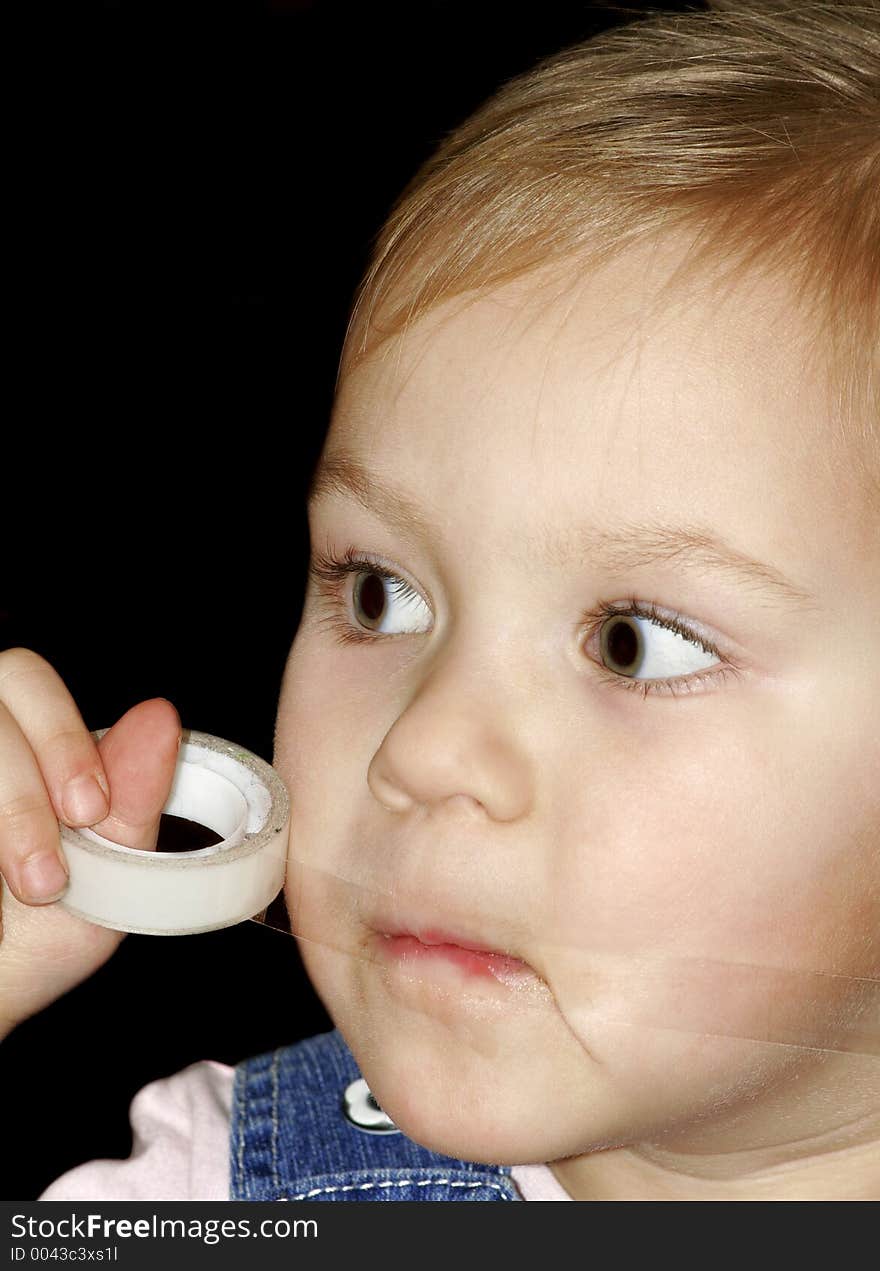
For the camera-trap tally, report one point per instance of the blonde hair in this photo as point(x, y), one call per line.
point(757, 123)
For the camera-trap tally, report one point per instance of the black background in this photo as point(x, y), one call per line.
point(199, 191)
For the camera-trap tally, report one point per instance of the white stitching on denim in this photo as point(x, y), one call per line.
point(403, 1182)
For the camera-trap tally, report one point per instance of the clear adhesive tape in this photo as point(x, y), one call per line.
point(217, 784)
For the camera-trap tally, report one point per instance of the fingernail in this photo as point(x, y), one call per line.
point(83, 801)
point(43, 877)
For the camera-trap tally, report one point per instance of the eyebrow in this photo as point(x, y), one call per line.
point(632, 544)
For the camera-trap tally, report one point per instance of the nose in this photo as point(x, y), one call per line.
point(455, 748)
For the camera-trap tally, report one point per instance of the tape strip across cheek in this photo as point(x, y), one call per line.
point(593, 988)
point(776, 1006)
point(217, 784)
point(240, 797)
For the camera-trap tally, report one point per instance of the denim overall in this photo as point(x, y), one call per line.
point(304, 1126)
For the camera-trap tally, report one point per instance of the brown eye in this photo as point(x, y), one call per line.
point(369, 597)
point(649, 646)
point(621, 646)
point(381, 600)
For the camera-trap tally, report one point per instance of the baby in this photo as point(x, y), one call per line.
point(579, 724)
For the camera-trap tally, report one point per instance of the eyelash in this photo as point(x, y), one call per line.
point(328, 572)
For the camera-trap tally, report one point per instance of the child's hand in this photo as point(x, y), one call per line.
point(44, 749)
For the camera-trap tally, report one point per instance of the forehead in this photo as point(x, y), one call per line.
point(573, 360)
point(635, 392)
point(608, 367)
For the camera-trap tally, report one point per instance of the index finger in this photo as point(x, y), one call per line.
point(69, 760)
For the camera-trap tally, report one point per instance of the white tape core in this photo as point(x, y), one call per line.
point(217, 784)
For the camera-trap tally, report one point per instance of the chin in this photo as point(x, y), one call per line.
point(468, 1076)
point(448, 1098)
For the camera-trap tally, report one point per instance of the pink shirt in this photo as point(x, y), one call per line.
point(180, 1147)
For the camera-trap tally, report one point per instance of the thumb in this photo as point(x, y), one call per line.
point(139, 754)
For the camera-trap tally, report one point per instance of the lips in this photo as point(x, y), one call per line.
point(433, 936)
point(427, 948)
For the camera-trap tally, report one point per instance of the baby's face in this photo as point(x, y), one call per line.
point(673, 839)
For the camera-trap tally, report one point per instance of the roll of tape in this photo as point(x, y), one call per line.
point(217, 784)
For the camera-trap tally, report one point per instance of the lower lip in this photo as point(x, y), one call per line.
point(473, 963)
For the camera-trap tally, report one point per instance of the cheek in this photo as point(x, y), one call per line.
point(779, 843)
point(723, 887)
point(313, 753)
point(329, 972)
point(331, 719)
